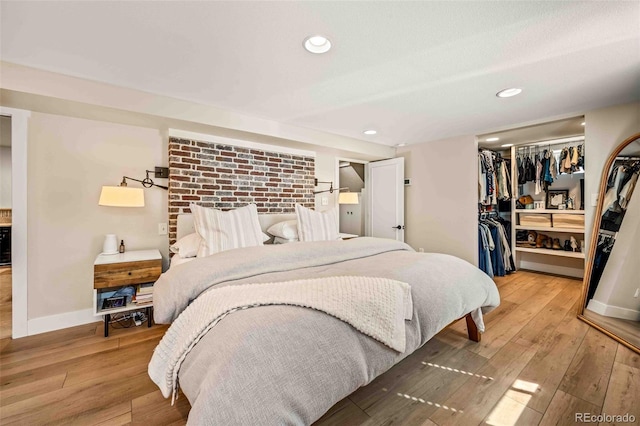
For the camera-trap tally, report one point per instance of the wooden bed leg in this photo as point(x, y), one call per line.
point(474, 334)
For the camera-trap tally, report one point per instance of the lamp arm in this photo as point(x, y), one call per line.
point(146, 182)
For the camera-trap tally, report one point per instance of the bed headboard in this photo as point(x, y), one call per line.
point(186, 227)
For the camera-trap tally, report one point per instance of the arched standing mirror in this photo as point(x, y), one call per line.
point(611, 293)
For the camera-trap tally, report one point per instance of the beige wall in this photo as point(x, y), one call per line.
point(326, 171)
point(69, 159)
point(441, 202)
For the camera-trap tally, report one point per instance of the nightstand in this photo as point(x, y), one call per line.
point(112, 272)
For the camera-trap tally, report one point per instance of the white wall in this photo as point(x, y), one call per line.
point(69, 159)
point(441, 202)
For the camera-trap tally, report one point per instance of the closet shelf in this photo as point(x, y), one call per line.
point(551, 229)
point(530, 211)
point(562, 253)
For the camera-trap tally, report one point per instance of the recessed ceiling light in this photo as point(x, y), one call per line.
point(507, 93)
point(582, 124)
point(506, 145)
point(401, 144)
point(317, 44)
point(370, 132)
point(492, 139)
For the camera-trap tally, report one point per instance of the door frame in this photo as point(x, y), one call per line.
point(19, 284)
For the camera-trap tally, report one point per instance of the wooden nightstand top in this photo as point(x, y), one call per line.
point(128, 256)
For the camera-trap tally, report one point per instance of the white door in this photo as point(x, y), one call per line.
point(384, 183)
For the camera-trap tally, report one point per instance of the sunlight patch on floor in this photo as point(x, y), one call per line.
point(455, 370)
point(509, 409)
point(435, 404)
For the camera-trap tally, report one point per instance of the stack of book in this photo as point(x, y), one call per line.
point(144, 294)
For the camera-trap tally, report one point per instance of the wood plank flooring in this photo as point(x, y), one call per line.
point(5, 301)
point(536, 364)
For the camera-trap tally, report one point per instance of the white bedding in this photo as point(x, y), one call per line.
point(177, 260)
point(287, 364)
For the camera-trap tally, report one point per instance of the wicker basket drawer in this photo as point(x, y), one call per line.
point(564, 220)
point(535, 219)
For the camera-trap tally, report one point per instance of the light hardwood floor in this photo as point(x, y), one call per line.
point(536, 364)
point(5, 301)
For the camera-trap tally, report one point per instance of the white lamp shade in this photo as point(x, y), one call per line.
point(348, 198)
point(121, 196)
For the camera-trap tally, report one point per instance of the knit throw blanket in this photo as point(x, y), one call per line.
point(376, 307)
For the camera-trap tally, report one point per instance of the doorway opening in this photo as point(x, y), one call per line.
point(6, 299)
point(351, 175)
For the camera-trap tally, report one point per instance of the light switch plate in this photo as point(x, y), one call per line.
point(594, 199)
point(162, 229)
point(325, 201)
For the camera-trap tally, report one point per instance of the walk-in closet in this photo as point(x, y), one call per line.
point(543, 208)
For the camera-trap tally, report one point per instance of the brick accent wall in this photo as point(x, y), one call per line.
point(226, 177)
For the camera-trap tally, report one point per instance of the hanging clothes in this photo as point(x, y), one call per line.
point(494, 245)
point(494, 179)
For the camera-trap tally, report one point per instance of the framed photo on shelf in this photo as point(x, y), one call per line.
point(557, 198)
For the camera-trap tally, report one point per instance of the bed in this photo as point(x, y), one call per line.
point(282, 363)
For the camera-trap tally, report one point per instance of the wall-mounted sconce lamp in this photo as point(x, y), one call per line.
point(122, 196)
point(331, 188)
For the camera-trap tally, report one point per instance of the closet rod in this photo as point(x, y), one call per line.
point(552, 141)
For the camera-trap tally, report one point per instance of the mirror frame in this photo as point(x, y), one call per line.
point(594, 240)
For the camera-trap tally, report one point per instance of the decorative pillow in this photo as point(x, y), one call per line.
point(287, 230)
point(317, 226)
point(227, 230)
point(186, 246)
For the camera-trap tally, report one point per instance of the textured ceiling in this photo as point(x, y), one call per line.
point(415, 71)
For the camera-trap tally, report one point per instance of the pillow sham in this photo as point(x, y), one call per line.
point(226, 230)
point(317, 226)
point(186, 246)
point(287, 230)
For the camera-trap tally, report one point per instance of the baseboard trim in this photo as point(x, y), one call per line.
point(57, 322)
point(566, 271)
point(613, 311)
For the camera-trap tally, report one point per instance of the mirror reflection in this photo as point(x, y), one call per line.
point(613, 294)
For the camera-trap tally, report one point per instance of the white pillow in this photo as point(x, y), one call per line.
point(222, 231)
point(186, 246)
point(265, 237)
point(317, 226)
point(287, 230)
